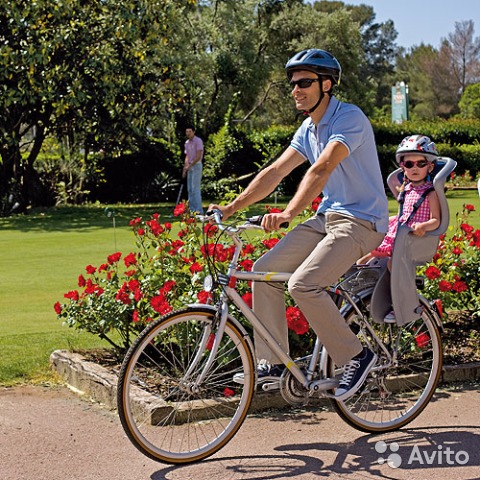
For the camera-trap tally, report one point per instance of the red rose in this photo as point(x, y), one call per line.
point(81, 281)
point(135, 221)
point(248, 299)
point(168, 285)
point(196, 267)
point(72, 295)
point(270, 243)
point(123, 296)
point(159, 304)
point(466, 228)
point(422, 340)
point(228, 392)
point(114, 258)
point(203, 296)
point(155, 227)
point(444, 286)
point(432, 272)
point(210, 230)
point(130, 259)
point(179, 209)
point(248, 249)
point(460, 286)
point(58, 308)
point(90, 269)
point(247, 264)
point(296, 320)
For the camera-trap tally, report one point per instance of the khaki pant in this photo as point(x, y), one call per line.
point(318, 251)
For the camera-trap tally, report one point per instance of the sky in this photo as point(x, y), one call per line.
point(426, 21)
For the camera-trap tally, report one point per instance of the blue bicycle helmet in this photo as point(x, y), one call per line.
point(315, 60)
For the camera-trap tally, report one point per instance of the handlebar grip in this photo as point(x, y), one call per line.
point(215, 211)
point(257, 220)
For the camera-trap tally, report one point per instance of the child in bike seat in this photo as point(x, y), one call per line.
point(419, 207)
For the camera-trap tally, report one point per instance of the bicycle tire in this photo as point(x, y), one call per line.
point(167, 415)
point(394, 395)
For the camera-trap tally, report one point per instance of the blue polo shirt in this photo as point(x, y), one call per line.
point(355, 187)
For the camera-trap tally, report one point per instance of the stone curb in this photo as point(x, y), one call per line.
point(98, 383)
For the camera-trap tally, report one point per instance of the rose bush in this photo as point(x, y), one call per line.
point(453, 274)
point(163, 272)
point(116, 299)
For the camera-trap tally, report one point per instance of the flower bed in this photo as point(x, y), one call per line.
point(116, 299)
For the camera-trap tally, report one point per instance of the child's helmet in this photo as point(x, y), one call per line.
point(417, 144)
point(317, 61)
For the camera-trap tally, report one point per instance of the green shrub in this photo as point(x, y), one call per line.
point(455, 138)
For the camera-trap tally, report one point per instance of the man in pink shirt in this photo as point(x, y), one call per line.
point(193, 169)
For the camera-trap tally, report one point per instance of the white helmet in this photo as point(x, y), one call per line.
point(417, 144)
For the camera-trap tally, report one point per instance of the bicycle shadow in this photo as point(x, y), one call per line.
point(420, 448)
point(356, 459)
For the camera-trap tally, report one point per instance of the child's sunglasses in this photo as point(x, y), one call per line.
point(419, 164)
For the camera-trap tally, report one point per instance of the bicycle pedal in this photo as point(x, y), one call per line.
point(268, 386)
point(323, 385)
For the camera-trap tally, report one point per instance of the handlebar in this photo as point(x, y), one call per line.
point(251, 222)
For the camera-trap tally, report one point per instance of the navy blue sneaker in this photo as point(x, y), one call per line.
point(354, 374)
point(265, 373)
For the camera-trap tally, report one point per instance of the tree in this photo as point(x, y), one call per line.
point(470, 102)
point(378, 44)
point(416, 68)
point(463, 53)
point(96, 71)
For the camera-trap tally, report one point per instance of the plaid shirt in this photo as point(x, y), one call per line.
point(412, 194)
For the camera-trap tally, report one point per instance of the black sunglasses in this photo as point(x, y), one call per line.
point(419, 164)
point(303, 82)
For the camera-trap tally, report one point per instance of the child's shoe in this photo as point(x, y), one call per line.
point(390, 317)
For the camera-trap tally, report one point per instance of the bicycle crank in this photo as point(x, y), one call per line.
point(293, 392)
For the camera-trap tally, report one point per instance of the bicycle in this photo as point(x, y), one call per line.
point(177, 398)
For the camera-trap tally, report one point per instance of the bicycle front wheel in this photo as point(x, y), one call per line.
point(173, 406)
point(404, 378)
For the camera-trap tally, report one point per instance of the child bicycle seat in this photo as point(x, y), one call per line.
point(397, 287)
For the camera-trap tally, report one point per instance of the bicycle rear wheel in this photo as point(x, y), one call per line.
point(167, 413)
point(404, 378)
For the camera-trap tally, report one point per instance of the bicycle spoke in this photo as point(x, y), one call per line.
point(165, 412)
point(403, 380)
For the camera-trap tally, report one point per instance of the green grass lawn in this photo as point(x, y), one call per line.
point(42, 255)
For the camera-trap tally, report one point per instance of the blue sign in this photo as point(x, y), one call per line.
point(399, 102)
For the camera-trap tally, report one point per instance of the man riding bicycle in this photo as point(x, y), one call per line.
point(352, 219)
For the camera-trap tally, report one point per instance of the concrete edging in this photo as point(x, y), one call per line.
point(98, 383)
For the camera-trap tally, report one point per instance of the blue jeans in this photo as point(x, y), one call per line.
point(194, 181)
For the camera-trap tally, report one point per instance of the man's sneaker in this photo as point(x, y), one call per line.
point(354, 374)
point(390, 317)
point(265, 373)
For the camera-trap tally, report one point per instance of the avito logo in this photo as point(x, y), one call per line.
point(422, 456)
point(440, 456)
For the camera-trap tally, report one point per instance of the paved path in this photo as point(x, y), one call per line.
point(51, 434)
